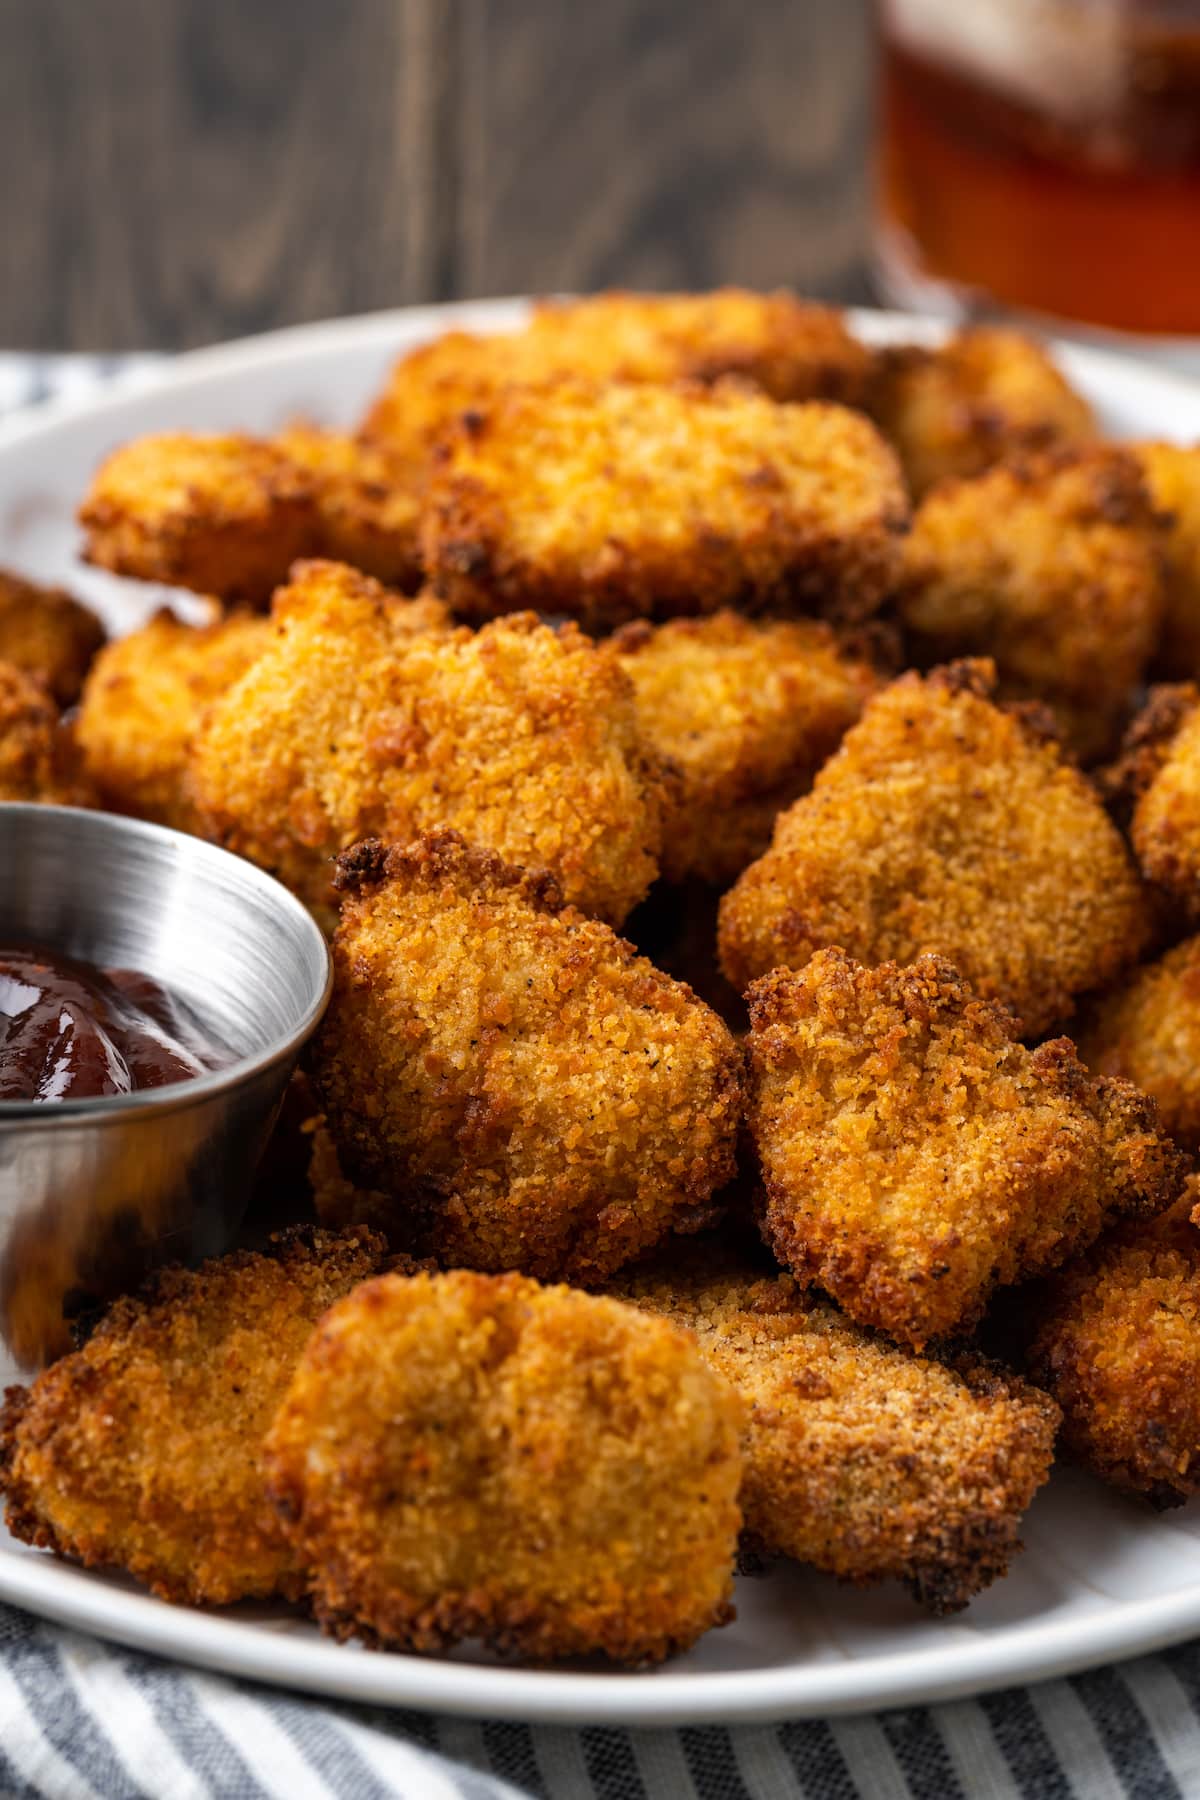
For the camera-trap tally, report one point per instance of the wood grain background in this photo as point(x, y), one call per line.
point(179, 171)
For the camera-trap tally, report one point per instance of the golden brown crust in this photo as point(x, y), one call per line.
point(569, 1108)
point(577, 500)
point(144, 702)
point(789, 348)
point(465, 1456)
point(1172, 473)
point(1145, 747)
point(1116, 1340)
point(915, 1156)
point(1147, 1031)
point(221, 515)
point(37, 758)
point(1157, 784)
point(986, 394)
point(860, 1457)
point(367, 503)
point(143, 1449)
point(1051, 565)
point(48, 634)
point(946, 823)
point(366, 717)
point(676, 928)
point(746, 712)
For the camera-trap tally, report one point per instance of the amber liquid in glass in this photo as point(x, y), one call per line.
point(1092, 219)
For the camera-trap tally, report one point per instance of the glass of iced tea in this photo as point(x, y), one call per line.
point(1043, 157)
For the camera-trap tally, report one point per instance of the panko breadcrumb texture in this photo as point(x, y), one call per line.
point(1116, 1340)
point(367, 503)
point(986, 394)
point(48, 634)
point(915, 1156)
point(37, 761)
point(789, 348)
point(221, 515)
point(746, 711)
point(368, 717)
point(143, 1449)
point(945, 823)
point(532, 1093)
point(1172, 474)
point(860, 1457)
point(615, 503)
point(1155, 787)
point(467, 1456)
point(1052, 566)
point(145, 699)
point(675, 927)
point(1147, 1030)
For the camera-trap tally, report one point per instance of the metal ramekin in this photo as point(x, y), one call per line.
point(93, 1193)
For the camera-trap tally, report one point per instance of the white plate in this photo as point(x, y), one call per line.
point(1100, 1578)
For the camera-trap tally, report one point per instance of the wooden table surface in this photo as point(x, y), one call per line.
point(179, 171)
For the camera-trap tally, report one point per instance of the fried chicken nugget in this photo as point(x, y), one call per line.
point(144, 1448)
point(48, 634)
point(613, 503)
point(789, 348)
point(1155, 788)
point(532, 1093)
point(746, 711)
point(1116, 1340)
point(986, 394)
point(1172, 474)
point(1147, 1030)
point(367, 503)
point(222, 515)
point(860, 1457)
point(363, 718)
point(915, 1155)
point(144, 701)
point(36, 754)
point(944, 823)
point(1052, 566)
point(472, 1456)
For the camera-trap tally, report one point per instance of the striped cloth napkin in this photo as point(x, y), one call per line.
point(82, 1720)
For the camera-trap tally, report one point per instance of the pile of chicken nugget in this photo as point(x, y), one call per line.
point(727, 759)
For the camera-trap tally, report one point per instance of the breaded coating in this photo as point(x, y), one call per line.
point(790, 348)
point(337, 1201)
point(367, 503)
point(1147, 1030)
point(143, 1449)
point(36, 759)
point(1155, 788)
point(860, 1457)
point(915, 1155)
point(222, 515)
point(471, 1456)
point(364, 718)
point(1051, 566)
point(746, 711)
point(144, 700)
point(945, 823)
point(532, 1093)
point(48, 634)
point(621, 502)
point(675, 927)
point(986, 394)
point(1172, 474)
point(1116, 1340)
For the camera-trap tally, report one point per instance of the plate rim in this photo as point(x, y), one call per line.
point(1009, 1655)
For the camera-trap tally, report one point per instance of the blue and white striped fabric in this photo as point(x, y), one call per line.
point(80, 1720)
